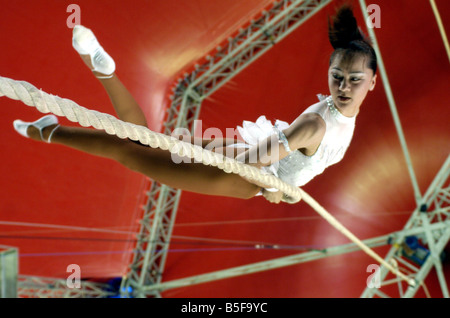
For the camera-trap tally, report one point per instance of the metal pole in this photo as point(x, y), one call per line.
point(393, 107)
point(265, 265)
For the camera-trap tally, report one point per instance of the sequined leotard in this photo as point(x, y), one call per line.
point(298, 169)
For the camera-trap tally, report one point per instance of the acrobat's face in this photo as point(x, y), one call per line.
point(349, 81)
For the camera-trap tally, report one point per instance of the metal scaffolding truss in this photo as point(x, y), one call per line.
point(241, 51)
point(430, 225)
point(153, 239)
point(45, 287)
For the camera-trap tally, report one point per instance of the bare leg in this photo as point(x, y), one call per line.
point(157, 164)
point(154, 163)
point(125, 105)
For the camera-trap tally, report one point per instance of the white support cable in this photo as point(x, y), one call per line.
point(393, 107)
point(65, 228)
point(441, 27)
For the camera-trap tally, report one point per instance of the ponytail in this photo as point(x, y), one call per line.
point(347, 38)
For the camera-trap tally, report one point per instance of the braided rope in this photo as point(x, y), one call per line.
point(47, 103)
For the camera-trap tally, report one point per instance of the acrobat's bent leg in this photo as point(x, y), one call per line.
point(104, 67)
point(125, 105)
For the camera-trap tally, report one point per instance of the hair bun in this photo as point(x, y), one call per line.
point(343, 28)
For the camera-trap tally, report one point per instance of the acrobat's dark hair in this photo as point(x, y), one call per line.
point(347, 38)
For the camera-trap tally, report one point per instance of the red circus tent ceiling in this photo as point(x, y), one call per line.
point(61, 207)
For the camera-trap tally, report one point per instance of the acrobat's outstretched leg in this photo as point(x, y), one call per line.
point(156, 163)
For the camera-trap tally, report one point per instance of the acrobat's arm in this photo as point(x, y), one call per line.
point(306, 133)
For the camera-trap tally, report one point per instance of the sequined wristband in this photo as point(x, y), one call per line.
point(282, 139)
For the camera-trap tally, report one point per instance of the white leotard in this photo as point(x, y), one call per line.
point(298, 169)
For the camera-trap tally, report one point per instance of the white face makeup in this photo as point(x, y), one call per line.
point(349, 83)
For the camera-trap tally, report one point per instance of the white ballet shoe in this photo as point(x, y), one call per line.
point(85, 43)
point(21, 127)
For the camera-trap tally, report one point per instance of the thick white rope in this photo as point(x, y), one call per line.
point(46, 103)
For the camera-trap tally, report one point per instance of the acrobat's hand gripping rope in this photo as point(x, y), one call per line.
point(46, 103)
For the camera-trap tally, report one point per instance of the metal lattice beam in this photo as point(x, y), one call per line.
point(245, 48)
point(45, 287)
point(153, 238)
point(431, 223)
